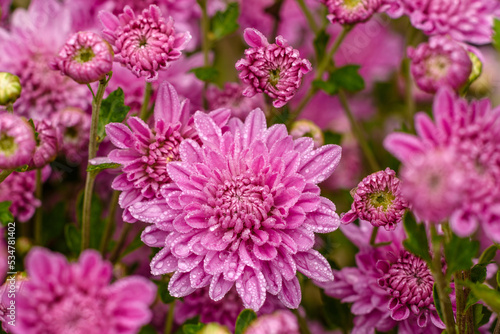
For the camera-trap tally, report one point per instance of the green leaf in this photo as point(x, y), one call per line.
point(481, 315)
point(73, 238)
point(5, 214)
point(320, 44)
point(192, 329)
point(164, 293)
point(100, 167)
point(207, 74)
point(437, 303)
point(328, 87)
point(496, 34)
point(416, 242)
point(332, 137)
point(113, 109)
point(459, 253)
point(490, 296)
point(348, 78)
point(244, 320)
point(96, 223)
point(225, 23)
point(22, 169)
point(132, 246)
point(148, 329)
point(471, 300)
point(488, 254)
point(478, 273)
point(498, 279)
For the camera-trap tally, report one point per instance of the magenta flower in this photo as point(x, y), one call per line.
point(231, 97)
point(145, 153)
point(440, 62)
point(274, 69)
point(280, 322)
point(62, 297)
point(19, 188)
point(73, 127)
point(378, 200)
point(242, 212)
point(17, 141)
point(389, 287)
point(469, 134)
point(85, 58)
point(464, 20)
point(8, 291)
point(145, 43)
point(46, 144)
point(354, 11)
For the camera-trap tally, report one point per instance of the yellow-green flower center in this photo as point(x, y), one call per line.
point(382, 199)
point(274, 77)
point(84, 55)
point(351, 3)
point(7, 145)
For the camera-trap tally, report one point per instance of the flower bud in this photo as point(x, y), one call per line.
point(10, 88)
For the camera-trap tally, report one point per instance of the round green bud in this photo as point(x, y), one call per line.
point(10, 88)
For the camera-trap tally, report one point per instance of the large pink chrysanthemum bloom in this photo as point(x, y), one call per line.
point(280, 322)
point(231, 97)
point(440, 62)
point(242, 212)
point(46, 144)
point(354, 11)
point(62, 297)
point(469, 134)
point(389, 287)
point(145, 153)
point(17, 141)
point(275, 69)
point(378, 200)
point(464, 20)
point(145, 43)
point(19, 188)
point(26, 48)
point(85, 58)
point(73, 126)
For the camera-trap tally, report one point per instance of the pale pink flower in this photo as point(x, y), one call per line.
point(354, 11)
point(231, 97)
point(242, 212)
point(280, 322)
point(46, 144)
point(275, 69)
point(17, 141)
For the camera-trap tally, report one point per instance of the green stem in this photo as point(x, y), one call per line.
point(441, 284)
point(469, 315)
point(205, 44)
point(310, 18)
point(358, 133)
point(110, 222)
point(89, 182)
point(304, 328)
point(115, 254)
point(38, 212)
point(409, 100)
point(148, 90)
point(10, 107)
point(319, 72)
point(5, 173)
point(374, 235)
point(170, 318)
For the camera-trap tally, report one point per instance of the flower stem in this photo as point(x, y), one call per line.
point(89, 182)
point(110, 222)
point(409, 100)
point(148, 90)
point(115, 254)
point(38, 212)
point(205, 44)
point(441, 284)
point(374, 236)
point(319, 72)
point(310, 18)
point(170, 318)
point(304, 329)
point(10, 107)
point(358, 133)
point(5, 173)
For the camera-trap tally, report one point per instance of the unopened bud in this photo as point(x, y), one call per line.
point(10, 88)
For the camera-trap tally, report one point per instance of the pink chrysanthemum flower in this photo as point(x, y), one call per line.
point(378, 200)
point(440, 62)
point(19, 188)
point(26, 51)
point(470, 134)
point(280, 322)
point(389, 287)
point(145, 153)
point(353, 11)
point(73, 126)
point(85, 58)
point(464, 20)
point(231, 97)
point(46, 144)
point(242, 212)
point(62, 297)
point(8, 291)
point(275, 69)
point(17, 141)
point(145, 43)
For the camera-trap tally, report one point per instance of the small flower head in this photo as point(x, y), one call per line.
point(231, 97)
point(10, 88)
point(378, 200)
point(144, 43)
point(351, 11)
point(85, 58)
point(78, 297)
point(275, 69)
point(17, 141)
point(73, 127)
point(280, 322)
point(306, 128)
point(440, 62)
point(46, 144)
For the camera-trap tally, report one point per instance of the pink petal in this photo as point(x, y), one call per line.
point(140, 129)
point(199, 278)
point(425, 128)
point(252, 289)
point(154, 237)
point(209, 133)
point(255, 124)
point(313, 265)
point(255, 38)
point(167, 105)
point(178, 171)
point(324, 219)
point(400, 313)
point(164, 262)
point(120, 135)
point(219, 287)
point(108, 20)
point(290, 294)
point(319, 164)
point(403, 146)
point(180, 285)
point(190, 151)
point(273, 278)
point(220, 116)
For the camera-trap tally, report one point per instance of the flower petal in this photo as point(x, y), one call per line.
point(313, 265)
